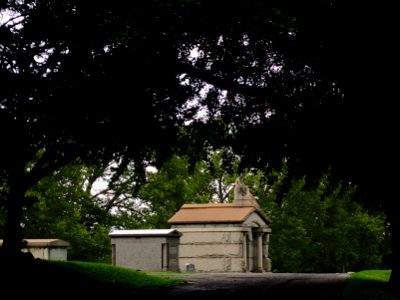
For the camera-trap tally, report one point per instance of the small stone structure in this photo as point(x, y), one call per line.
point(146, 249)
point(49, 249)
point(224, 237)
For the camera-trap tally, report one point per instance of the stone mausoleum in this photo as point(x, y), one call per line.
point(225, 237)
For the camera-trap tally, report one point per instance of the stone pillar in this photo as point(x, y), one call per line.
point(260, 259)
point(266, 245)
point(267, 260)
point(245, 265)
point(250, 252)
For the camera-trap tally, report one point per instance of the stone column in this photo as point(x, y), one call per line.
point(267, 260)
point(260, 260)
point(245, 265)
point(266, 245)
point(250, 252)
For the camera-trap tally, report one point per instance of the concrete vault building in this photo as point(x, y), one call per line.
point(225, 237)
point(146, 249)
point(49, 249)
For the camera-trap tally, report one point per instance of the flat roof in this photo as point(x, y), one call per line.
point(44, 243)
point(145, 232)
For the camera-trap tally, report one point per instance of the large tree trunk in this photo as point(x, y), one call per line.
point(13, 237)
point(395, 238)
point(19, 182)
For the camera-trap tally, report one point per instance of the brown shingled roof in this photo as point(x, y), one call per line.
point(214, 213)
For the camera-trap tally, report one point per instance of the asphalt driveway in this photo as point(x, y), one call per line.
point(265, 285)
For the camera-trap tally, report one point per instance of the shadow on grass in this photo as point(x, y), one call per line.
point(44, 280)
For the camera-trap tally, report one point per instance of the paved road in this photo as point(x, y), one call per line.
point(276, 285)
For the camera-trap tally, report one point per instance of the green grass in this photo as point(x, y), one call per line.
point(369, 285)
point(80, 279)
point(114, 275)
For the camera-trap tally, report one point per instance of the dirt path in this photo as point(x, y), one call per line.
point(275, 285)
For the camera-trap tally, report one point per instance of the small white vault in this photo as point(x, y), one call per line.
point(146, 249)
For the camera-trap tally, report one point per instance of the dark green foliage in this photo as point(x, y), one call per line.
point(66, 210)
point(171, 187)
point(325, 230)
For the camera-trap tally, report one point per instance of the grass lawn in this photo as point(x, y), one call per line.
point(368, 285)
point(44, 279)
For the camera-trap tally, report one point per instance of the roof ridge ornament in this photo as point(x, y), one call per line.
point(242, 194)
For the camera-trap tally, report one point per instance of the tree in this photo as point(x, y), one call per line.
point(67, 209)
point(323, 230)
point(223, 167)
point(76, 104)
point(273, 70)
point(173, 185)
